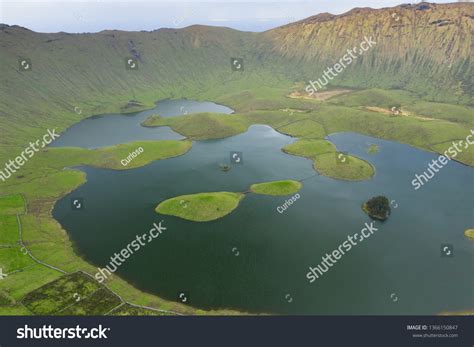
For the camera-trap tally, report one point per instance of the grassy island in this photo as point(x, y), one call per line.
point(377, 207)
point(347, 167)
point(328, 162)
point(201, 126)
point(201, 207)
point(469, 233)
point(114, 157)
point(276, 188)
point(225, 167)
point(309, 148)
point(373, 148)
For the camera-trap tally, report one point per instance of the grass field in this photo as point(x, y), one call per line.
point(201, 126)
point(100, 302)
point(110, 157)
point(12, 204)
point(347, 167)
point(309, 148)
point(201, 207)
point(8, 230)
point(276, 188)
point(303, 128)
point(60, 294)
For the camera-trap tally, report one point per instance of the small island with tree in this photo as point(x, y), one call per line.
point(224, 167)
point(469, 233)
point(377, 207)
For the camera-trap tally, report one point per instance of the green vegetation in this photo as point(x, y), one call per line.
point(285, 187)
point(309, 148)
point(303, 128)
point(377, 207)
point(8, 230)
point(12, 204)
point(466, 156)
point(202, 207)
point(205, 207)
point(74, 294)
point(100, 302)
point(152, 120)
point(373, 148)
point(469, 233)
point(328, 162)
point(258, 96)
point(374, 97)
point(43, 179)
point(344, 168)
point(452, 113)
point(201, 126)
point(129, 310)
point(12, 259)
point(110, 157)
point(225, 167)
point(457, 313)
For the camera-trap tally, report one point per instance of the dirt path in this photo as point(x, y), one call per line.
point(398, 112)
point(320, 96)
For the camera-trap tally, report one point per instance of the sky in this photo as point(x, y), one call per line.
point(96, 15)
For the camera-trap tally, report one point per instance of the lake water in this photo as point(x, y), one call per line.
point(256, 259)
point(112, 129)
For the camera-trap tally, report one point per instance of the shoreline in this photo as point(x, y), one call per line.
point(55, 199)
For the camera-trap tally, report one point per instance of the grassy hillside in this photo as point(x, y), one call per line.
point(425, 48)
point(77, 75)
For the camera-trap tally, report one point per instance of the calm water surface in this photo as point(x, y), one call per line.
point(256, 259)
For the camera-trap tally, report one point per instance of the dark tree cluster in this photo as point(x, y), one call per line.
point(378, 207)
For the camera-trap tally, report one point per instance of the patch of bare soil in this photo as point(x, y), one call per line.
point(320, 96)
point(394, 111)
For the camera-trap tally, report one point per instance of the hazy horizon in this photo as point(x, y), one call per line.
point(94, 16)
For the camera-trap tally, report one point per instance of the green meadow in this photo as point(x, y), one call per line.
point(276, 188)
point(201, 207)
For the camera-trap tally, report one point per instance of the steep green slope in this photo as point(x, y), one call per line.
point(422, 48)
point(426, 48)
point(77, 75)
